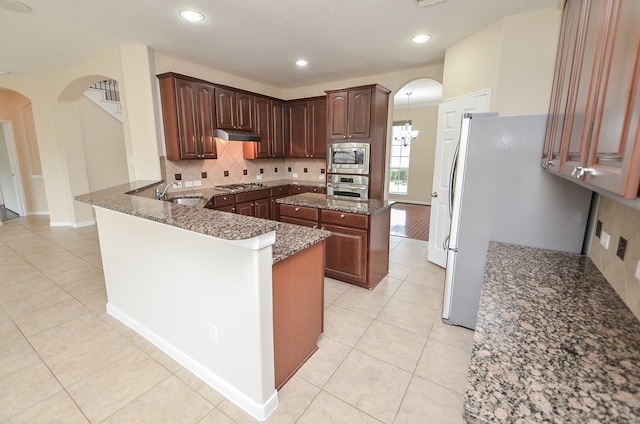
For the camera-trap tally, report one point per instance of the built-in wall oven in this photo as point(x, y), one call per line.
point(354, 186)
point(348, 158)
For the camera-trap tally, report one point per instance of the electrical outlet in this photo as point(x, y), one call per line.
point(213, 334)
point(197, 183)
point(245, 172)
point(188, 183)
point(622, 248)
point(258, 177)
point(604, 239)
point(294, 175)
point(638, 271)
point(598, 228)
point(305, 170)
point(321, 177)
point(226, 173)
point(177, 177)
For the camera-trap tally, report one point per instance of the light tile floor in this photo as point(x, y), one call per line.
point(385, 355)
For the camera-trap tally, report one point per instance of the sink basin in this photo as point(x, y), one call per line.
point(189, 201)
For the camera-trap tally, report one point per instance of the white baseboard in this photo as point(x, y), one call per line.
point(259, 411)
point(72, 224)
point(38, 213)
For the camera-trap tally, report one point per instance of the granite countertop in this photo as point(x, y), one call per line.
point(134, 199)
point(553, 343)
point(336, 203)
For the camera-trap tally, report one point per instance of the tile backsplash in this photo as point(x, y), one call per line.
point(619, 221)
point(230, 159)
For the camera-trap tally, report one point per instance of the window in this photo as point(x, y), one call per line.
point(400, 154)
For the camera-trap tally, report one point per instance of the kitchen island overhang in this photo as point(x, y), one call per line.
point(206, 301)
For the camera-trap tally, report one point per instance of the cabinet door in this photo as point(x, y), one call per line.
point(359, 115)
point(302, 222)
point(229, 208)
point(206, 122)
point(262, 209)
point(614, 151)
point(225, 108)
point(278, 129)
point(572, 16)
point(337, 115)
point(263, 127)
point(346, 254)
point(582, 95)
point(245, 208)
point(187, 124)
point(318, 128)
point(244, 111)
point(297, 126)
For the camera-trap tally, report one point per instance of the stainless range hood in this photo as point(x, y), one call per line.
point(237, 135)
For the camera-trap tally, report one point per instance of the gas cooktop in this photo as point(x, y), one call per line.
point(240, 186)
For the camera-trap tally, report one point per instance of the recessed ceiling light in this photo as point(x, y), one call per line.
point(301, 62)
point(422, 38)
point(15, 6)
point(192, 15)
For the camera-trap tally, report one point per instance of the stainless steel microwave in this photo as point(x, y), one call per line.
point(348, 158)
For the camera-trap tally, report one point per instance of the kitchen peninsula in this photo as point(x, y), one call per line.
point(211, 289)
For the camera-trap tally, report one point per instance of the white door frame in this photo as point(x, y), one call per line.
point(14, 163)
point(449, 120)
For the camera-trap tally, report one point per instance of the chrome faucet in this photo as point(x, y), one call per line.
point(160, 193)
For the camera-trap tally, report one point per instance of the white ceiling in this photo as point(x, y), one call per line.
point(256, 39)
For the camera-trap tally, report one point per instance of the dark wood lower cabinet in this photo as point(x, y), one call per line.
point(346, 255)
point(298, 308)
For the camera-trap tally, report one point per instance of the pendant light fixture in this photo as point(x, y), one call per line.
point(407, 135)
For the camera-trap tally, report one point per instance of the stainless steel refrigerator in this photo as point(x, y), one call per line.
point(500, 192)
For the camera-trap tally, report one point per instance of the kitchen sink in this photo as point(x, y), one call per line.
point(189, 201)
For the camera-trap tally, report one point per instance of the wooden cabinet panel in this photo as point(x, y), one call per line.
point(318, 128)
point(225, 108)
point(299, 212)
point(344, 219)
point(359, 116)
point(297, 310)
point(227, 200)
point(337, 115)
point(234, 110)
point(262, 209)
point(614, 151)
point(302, 222)
point(298, 125)
point(278, 128)
point(595, 107)
point(250, 196)
point(245, 208)
point(300, 189)
point(346, 254)
point(188, 118)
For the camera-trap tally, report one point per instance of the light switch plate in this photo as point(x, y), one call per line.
point(604, 239)
point(294, 175)
point(321, 177)
point(638, 271)
point(197, 183)
point(213, 334)
point(188, 183)
point(258, 177)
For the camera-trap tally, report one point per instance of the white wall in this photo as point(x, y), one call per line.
point(105, 154)
point(514, 57)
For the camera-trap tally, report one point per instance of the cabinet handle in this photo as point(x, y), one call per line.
point(547, 163)
point(579, 171)
point(350, 135)
point(297, 209)
point(341, 215)
point(344, 136)
point(233, 209)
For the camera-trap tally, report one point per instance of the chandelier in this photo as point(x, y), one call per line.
point(406, 135)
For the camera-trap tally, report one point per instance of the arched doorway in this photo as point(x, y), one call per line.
point(21, 182)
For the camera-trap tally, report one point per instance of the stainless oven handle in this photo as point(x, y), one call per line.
point(362, 187)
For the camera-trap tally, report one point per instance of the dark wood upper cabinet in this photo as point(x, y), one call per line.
point(269, 121)
point(234, 109)
point(306, 130)
point(349, 114)
point(188, 113)
point(593, 132)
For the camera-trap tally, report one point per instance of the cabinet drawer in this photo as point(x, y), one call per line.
point(279, 191)
point(344, 218)
point(299, 189)
point(252, 195)
point(299, 212)
point(226, 200)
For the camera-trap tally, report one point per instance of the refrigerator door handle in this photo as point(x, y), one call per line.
point(452, 177)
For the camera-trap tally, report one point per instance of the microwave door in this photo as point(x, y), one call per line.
point(343, 157)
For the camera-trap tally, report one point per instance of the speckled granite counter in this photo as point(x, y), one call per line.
point(290, 239)
point(554, 343)
point(322, 201)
